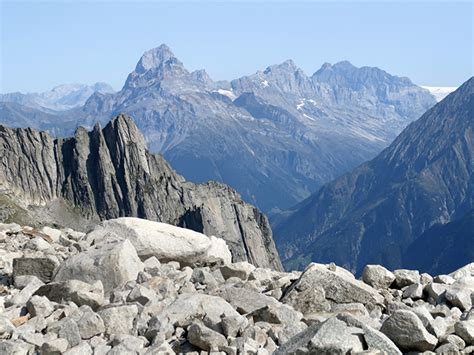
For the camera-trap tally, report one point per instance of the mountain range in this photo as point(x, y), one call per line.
point(60, 98)
point(109, 173)
point(276, 136)
point(410, 206)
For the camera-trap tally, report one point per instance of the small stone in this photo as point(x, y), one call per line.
point(54, 347)
point(114, 264)
point(241, 270)
point(447, 349)
point(90, 325)
point(39, 305)
point(6, 328)
point(276, 314)
point(233, 325)
point(309, 301)
point(81, 349)
point(42, 268)
point(438, 327)
point(53, 233)
point(37, 244)
point(436, 291)
point(16, 347)
point(66, 328)
point(36, 339)
point(141, 294)
point(205, 338)
point(339, 286)
point(460, 293)
point(152, 266)
point(425, 278)
point(119, 319)
point(455, 340)
point(414, 291)
point(25, 294)
point(19, 321)
point(444, 279)
point(334, 336)
point(79, 292)
point(21, 281)
point(204, 277)
point(405, 277)
point(465, 329)
point(406, 330)
point(377, 276)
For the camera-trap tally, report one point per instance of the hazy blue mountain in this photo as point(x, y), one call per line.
point(60, 98)
point(275, 136)
point(374, 213)
point(446, 247)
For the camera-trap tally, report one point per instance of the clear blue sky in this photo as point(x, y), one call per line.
point(48, 43)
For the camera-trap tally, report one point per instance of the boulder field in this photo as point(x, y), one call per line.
point(133, 286)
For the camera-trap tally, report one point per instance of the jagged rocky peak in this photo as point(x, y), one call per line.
point(285, 77)
point(287, 66)
point(345, 73)
point(154, 66)
point(109, 173)
point(155, 58)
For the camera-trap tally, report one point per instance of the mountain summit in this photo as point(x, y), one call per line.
point(275, 136)
point(155, 57)
point(372, 215)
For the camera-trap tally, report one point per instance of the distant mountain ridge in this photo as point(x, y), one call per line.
point(275, 136)
point(376, 213)
point(60, 98)
point(440, 92)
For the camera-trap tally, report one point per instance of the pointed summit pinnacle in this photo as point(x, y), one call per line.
point(154, 58)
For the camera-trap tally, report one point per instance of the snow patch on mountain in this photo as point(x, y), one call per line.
point(439, 92)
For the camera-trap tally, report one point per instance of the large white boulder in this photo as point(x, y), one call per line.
point(164, 241)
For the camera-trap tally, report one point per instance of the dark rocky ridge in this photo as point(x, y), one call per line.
point(445, 246)
point(109, 173)
point(371, 215)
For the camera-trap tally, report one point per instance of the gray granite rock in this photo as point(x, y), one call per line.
point(406, 330)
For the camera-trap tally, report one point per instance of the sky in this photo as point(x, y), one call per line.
point(44, 44)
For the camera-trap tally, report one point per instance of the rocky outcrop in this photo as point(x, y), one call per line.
point(390, 210)
point(109, 173)
point(103, 299)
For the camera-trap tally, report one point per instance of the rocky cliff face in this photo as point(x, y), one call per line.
point(373, 214)
point(275, 136)
point(108, 173)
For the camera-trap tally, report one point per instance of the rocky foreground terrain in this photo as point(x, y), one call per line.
point(132, 286)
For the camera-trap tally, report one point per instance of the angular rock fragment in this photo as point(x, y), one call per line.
point(377, 276)
point(406, 330)
point(339, 287)
point(42, 268)
point(112, 263)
